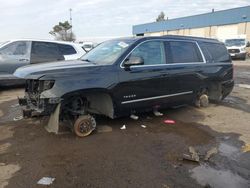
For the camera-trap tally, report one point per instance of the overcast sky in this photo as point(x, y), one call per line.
point(95, 18)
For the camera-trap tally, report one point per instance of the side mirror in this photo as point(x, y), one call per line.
point(134, 61)
point(248, 44)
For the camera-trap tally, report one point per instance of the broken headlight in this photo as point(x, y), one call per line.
point(48, 84)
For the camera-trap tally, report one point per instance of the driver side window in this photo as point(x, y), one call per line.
point(151, 52)
point(15, 48)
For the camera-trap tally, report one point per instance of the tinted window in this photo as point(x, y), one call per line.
point(15, 48)
point(218, 52)
point(45, 52)
point(151, 52)
point(183, 52)
point(44, 49)
point(66, 49)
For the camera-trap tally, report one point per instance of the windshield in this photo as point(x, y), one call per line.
point(235, 42)
point(3, 43)
point(108, 52)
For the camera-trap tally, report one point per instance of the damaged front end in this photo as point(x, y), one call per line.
point(34, 103)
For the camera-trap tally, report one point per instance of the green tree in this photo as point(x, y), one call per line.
point(63, 31)
point(161, 17)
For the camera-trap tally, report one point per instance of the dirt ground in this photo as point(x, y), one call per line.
point(135, 157)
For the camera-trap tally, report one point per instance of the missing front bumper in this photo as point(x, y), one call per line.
point(40, 108)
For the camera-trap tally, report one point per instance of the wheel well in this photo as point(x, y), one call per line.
point(95, 102)
point(214, 91)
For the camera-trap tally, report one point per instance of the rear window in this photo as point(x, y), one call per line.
point(217, 52)
point(66, 49)
point(183, 52)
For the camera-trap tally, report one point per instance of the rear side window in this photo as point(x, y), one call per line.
point(45, 49)
point(217, 52)
point(182, 52)
point(66, 49)
point(45, 52)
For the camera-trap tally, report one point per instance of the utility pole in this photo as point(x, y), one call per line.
point(70, 18)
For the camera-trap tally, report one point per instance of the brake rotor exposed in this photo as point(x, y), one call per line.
point(84, 125)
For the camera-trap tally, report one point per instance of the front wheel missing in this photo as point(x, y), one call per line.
point(84, 125)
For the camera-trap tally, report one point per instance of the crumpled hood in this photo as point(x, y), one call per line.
point(38, 70)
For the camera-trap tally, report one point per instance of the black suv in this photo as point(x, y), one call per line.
point(127, 76)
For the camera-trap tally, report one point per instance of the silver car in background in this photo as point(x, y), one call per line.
point(21, 52)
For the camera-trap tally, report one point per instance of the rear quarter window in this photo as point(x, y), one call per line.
point(66, 49)
point(215, 52)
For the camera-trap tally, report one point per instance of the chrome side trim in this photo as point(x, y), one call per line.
point(157, 97)
point(165, 64)
point(159, 65)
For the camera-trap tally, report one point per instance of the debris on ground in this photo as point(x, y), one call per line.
point(143, 126)
point(14, 105)
point(165, 186)
point(123, 127)
point(17, 118)
point(157, 113)
point(134, 117)
point(246, 86)
point(194, 154)
point(169, 121)
point(246, 148)
point(210, 152)
point(104, 129)
point(46, 181)
point(148, 117)
point(188, 157)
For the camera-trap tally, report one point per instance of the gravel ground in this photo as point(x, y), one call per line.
point(137, 156)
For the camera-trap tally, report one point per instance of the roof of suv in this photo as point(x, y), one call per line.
point(177, 37)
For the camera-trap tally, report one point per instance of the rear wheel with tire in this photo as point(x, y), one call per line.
point(202, 99)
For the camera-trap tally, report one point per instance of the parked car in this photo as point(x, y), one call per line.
point(237, 47)
point(21, 52)
point(127, 76)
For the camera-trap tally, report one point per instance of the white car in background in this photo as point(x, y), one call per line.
point(21, 52)
point(237, 47)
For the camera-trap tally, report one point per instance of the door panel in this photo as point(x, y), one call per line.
point(185, 63)
point(160, 84)
point(143, 81)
